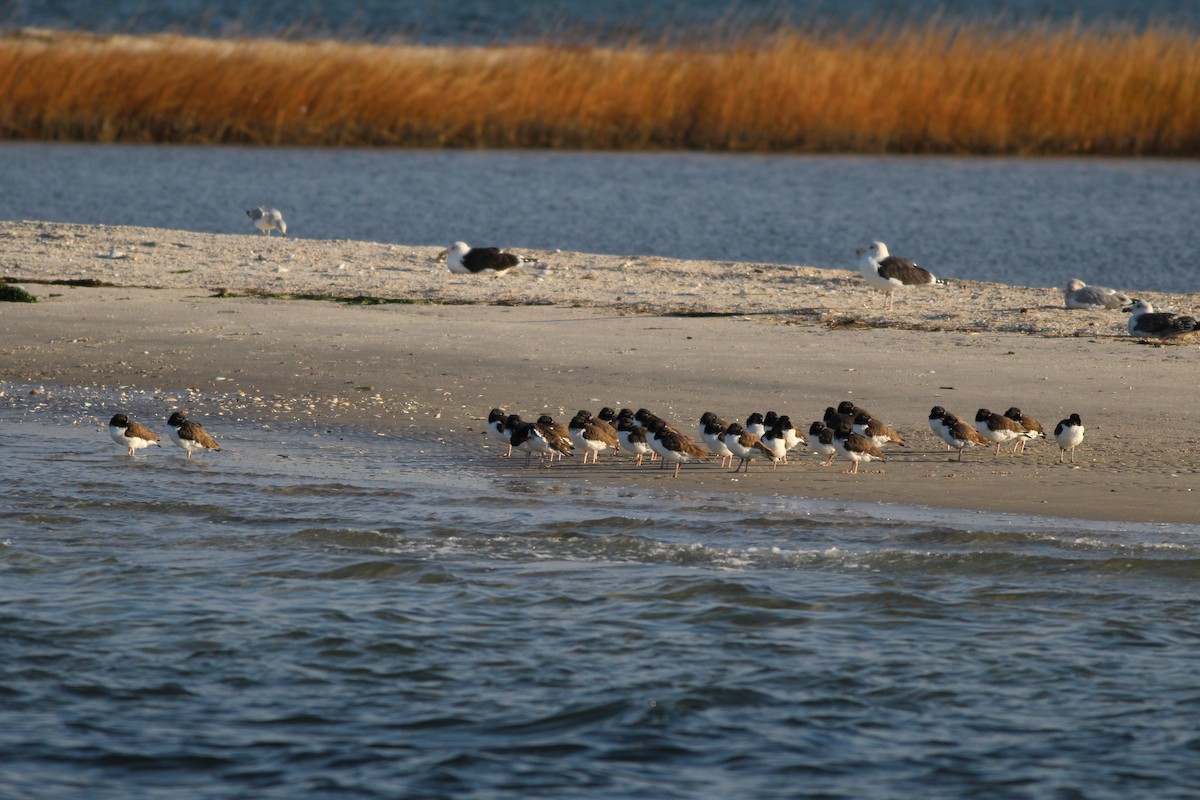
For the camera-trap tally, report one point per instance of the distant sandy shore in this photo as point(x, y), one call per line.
point(584, 331)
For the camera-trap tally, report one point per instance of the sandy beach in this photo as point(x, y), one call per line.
point(212, 323)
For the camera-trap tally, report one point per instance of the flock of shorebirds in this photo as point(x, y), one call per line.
point(879, 268)
point(847, 430)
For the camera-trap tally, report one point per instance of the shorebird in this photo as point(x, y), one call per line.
point(189, 435)
point(745, 446)
point(558, 433)
point(1033, 428)
point(776, 442)
point(592, 435)
point(877, 431)
point(856, 447)
point(540, 438)
point(1069, 435)
point(633, 438)
point(820, 440)
point(837, 421)
point(756, 423)
point(851, 410)
point(462, 259)
point(937, 417)
point(1078, 294)
point(887, 273)
point(674, 446)
point(956, 432)
point(267, 219)
point(130, 435)
point(996, 428)
point(712, 433)
point(1147, 323)
point(497, 427)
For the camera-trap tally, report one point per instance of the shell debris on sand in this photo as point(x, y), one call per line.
point(761, 292)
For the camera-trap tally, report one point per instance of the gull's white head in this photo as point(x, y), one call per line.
point(876, 252)
point(454, 256)
point(1139, 307)
point(1074, 285)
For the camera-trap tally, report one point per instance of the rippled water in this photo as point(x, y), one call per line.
point(1126, 223)
point(483, 21)
point(319, 613)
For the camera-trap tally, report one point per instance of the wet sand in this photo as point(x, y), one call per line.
point(585, 331)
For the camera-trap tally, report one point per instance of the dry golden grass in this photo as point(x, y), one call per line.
point(932, 89)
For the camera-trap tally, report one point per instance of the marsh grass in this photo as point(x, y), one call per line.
point(910, 89)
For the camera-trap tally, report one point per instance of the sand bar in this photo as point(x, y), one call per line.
point(590, 330)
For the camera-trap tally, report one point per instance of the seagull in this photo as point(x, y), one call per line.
point(462, 259)
point(189, 435)
point(1151, 324)
point(267, 219)
point(130, 435)
point(1078, 294)
point(1069, 434)
point(887, 273)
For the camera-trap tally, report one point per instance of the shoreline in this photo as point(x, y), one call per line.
point(436, 370)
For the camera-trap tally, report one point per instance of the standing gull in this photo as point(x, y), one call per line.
point(1078, 294)
point(462, 259)
point(887, 273)
point(267, 219)
point(1147, 323)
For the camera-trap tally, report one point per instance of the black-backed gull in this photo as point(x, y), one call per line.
point(462, 259)
point(887, 273)
point(1147, 323)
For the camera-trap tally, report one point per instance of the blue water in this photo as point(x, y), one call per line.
point(1125, 223)
point(483, 21)
point(333, 613)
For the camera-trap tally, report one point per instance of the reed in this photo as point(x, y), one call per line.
point(913, 89)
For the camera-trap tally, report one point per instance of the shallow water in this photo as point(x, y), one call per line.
point(1126, 223)
point(317, 612)
point(481, 21)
